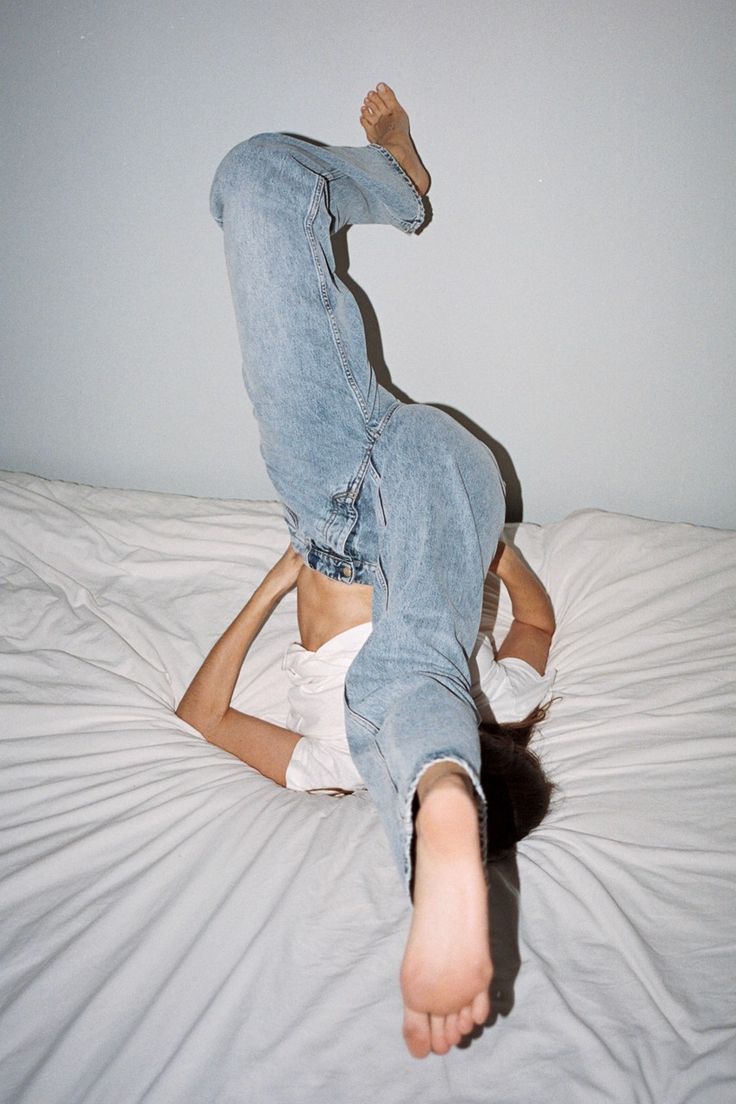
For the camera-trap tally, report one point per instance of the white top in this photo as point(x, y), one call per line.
point(506, 690)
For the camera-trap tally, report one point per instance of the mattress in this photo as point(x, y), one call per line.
point(177, 928)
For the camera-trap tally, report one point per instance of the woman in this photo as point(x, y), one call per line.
point(312, 753)
point(394, 514)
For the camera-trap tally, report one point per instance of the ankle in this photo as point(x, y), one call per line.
point(447, 817)
point(448, 775)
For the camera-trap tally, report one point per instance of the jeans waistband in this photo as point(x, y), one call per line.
point(350, 566)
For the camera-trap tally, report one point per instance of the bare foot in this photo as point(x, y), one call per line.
point(386, 124)
point(447, 971)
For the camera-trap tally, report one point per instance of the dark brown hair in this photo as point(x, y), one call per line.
point(517, 789)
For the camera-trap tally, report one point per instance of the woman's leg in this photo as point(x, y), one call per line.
point(411, 721)
point(314, 393)
point(324, 424)
point(441, 511)
point(323, 420)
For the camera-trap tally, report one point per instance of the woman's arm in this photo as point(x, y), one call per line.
point(206, 704)
point(531, 631)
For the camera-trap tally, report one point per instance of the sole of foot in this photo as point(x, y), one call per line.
point(447, 970)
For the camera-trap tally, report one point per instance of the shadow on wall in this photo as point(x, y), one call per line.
point(514, 501)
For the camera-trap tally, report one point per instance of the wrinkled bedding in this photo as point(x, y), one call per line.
point(177, 928)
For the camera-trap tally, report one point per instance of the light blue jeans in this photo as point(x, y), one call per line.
point(375, 491)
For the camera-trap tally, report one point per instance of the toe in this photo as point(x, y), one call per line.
point(376, 102)
point(453, 1033)
point(440, 1044)
point(387, 95)
point(481, 1007)
point(465, 1020)
point(416, 1033)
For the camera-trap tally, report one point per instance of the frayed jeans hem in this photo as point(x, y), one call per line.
point(408, 814)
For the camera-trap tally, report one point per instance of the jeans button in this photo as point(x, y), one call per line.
point(345, 571)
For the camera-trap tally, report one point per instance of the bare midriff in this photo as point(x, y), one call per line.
point(326, 607)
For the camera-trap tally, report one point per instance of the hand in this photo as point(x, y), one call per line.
point(504, 561)
point(530, 603)
point(284, 573)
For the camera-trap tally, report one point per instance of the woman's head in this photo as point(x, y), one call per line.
point(517, 789)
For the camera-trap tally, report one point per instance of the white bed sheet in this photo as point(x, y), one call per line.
point(177, 928)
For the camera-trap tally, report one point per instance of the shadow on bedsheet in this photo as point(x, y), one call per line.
point(503, 899)
point(374, 344)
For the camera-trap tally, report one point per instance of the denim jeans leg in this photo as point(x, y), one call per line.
point(375, 490)
point(408, 697)
point(315, 395)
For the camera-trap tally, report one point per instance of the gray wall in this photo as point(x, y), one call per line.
point(573, 297)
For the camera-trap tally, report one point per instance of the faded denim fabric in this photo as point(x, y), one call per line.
point(374, 490)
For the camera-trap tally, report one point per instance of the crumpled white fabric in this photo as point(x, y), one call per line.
point(177, 928)
point(506, 690)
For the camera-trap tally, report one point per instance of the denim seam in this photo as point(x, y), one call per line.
point(324, 296)
point(291, 516)
point(382, 757)
point(380, 577)
point(348, 497)
point(335, 557)
point(376, 431)
point(406, 224)
point(340, 522)
point(408, 819)
point(481, 552)
point(373, 729)
point(358, 479)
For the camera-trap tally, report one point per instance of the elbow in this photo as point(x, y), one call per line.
point(185, 715)
point(549, 624)
point(546, 629)
point(544, 625)
point(204, 726)
point(543, 620)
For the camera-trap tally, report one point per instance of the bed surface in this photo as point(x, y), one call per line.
point(177, 928)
